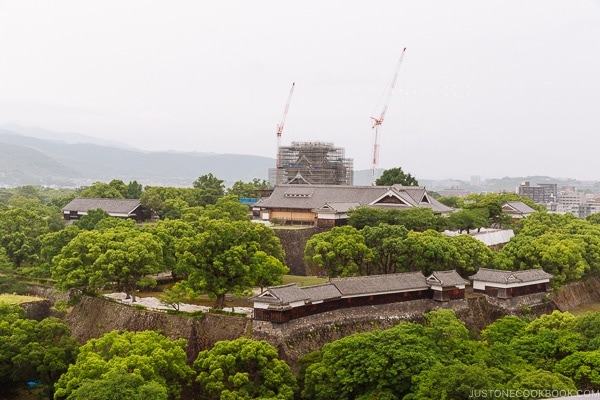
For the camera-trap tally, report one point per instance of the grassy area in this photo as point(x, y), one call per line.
point(585, 308)
point(303, 280)
point(17, 299)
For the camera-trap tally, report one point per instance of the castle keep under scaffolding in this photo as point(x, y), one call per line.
point(315, 163)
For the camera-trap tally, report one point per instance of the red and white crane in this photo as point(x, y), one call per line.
point(279, 132)
point(377, 121)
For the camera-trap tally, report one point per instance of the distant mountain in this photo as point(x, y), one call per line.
point(28, 160)
point(68, 137)
point(67, 160)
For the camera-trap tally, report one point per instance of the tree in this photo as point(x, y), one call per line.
point(243, 369)
point(447, 334)
point(228, 207)
point(395, 176)
point(548, 339)
point(52, 244)
point(378, 364)
point(362, 216)
point(89, 221)
point(561, 255)
point(468, 219)
point(20, 232)
point(340, 251)
point(415, 219)
point(428, 251)
point(168, 232)
point(225, 256)
point(119, 385)
point(386, 243)
point(146, 362)
point(583, 367)
point(209, 188)
point(94, 259)
point(268, 270)
point(455, 381)
point(503, 330)
point(473, 254)
point(134, 190)
point(248, 189)
point(541, 381)
point(113, 190)
point(32, 350)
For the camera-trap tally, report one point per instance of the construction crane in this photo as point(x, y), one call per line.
point(377, 121)
point(278, 165)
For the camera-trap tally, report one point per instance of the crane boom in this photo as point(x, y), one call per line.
point(377, 121)
point(280, 131)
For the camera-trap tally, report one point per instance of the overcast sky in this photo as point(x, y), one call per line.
point(491, 88)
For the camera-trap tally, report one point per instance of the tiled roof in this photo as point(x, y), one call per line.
point(501, 276)
point(310, 197)
point(111, 206)
point(282, 295)
point(518, 207)
point(446, 279)
point(326, 291)
point(374, 284)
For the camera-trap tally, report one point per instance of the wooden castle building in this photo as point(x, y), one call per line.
point(506, 284)
point(284, 303)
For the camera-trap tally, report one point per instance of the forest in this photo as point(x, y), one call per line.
point(206, 239)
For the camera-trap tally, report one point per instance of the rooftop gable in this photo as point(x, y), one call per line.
point(111, 206)
point(517, 207)
point(284, 294)
point(446, 279)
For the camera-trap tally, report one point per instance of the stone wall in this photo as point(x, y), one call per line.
point(94, 316)
point(577, 293)
point(302, 336)
point(37, 310)
point(294, 242)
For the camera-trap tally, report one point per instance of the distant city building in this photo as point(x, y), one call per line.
point(312, 163)
point(543, 193)
point(453, 192)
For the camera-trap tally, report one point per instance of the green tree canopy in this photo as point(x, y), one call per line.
point(243, 369)
point(468, 219)
point(20, 235)
point(248, 189)
point(121, 256)
point(116, 189)
point(208, 188)
point(386, 243)
point(395, 176)
point(89, 221)
point(429, 251)
point(414, 219)
point(146, 362)
point(340, 251)
point(32, 350)
point(378, 364)
point(227, 256)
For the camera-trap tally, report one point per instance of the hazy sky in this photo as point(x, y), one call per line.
point(492, 88)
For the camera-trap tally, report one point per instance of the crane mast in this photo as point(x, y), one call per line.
point(279, 132)
point(377, 121)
